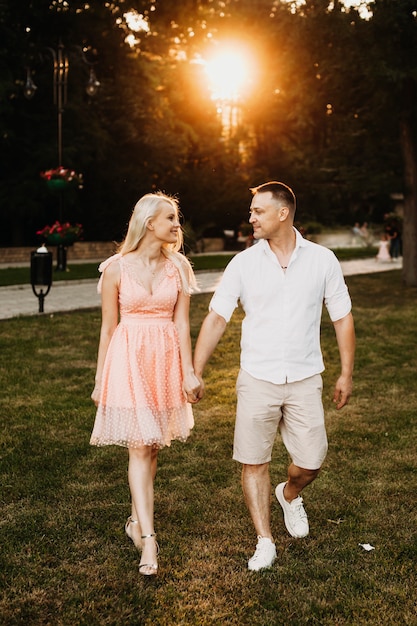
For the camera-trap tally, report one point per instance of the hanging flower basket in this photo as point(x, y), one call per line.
point(61, 234)
point(56, 184)
point(60, 178)
point(56, 239)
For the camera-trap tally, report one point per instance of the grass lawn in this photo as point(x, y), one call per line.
point(79, 271)
point(66, 561)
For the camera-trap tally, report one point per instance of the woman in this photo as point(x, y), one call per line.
point(145, 381)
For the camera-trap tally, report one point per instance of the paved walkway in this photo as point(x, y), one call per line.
point(73, 295)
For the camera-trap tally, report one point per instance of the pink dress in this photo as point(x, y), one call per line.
point(142, 401)
point(383, 252)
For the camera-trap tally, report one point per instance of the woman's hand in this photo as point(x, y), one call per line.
point(95, 396)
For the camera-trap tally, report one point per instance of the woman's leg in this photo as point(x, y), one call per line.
point(141, 473)
point(154, 462)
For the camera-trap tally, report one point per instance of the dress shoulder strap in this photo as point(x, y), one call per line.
point(103, 265)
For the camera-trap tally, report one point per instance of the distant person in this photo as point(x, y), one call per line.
point(145, 380)
point(383, 249)
point(365, 233)
point(281, 284)
point(356, 234)
point(393, 231)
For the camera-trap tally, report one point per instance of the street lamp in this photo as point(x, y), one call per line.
point(60, 84)
point(41, 273)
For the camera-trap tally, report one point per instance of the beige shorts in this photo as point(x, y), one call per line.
point(296, 408)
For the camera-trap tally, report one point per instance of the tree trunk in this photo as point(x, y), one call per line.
point(409, 234)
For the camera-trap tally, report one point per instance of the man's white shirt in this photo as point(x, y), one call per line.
point(281, 330)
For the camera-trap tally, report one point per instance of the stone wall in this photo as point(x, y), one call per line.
point(80, 251)
point(100, 250)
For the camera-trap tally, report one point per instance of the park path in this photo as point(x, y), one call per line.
point(73, 295)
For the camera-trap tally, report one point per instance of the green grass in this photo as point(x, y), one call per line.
point(21, 275)
point(65, 559)
point(80, 271)
point(349, 254)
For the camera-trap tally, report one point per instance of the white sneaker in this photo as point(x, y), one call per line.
point(295, 517)
point(265, 555)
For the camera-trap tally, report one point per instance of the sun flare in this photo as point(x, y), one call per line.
point(229, 74)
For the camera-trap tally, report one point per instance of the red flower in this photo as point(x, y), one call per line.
point(63, 173)
point(66, 230)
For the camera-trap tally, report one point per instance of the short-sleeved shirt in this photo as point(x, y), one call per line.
point(281, 330)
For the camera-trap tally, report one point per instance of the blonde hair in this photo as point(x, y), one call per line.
point(144, 210)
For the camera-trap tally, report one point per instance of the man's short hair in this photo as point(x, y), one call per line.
point(280, 192)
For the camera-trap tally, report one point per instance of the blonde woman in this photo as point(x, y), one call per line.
point(145, 382)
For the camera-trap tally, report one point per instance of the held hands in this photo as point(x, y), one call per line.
point(193, 388)
point(342, 391)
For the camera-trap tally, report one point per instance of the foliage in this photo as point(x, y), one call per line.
point(322, 114)
point(65, 558)
point(312, 228)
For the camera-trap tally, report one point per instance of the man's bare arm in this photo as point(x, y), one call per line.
point(210, 334)
point(345, 335)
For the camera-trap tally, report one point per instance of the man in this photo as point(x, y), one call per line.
point(281, 283)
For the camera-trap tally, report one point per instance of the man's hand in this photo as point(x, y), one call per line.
point(202, 387)
point(192, 388)
point(342, 391)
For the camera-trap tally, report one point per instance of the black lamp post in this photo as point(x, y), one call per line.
point(41, 273)
point(61, 65)
point(60, 84)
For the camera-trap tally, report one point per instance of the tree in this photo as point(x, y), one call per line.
point(129, 140)
point(392, 70)
point(332, 112)
point(311, 117)
point(363, 147)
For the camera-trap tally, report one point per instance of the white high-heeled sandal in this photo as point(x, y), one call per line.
point(152, 566)
point(130, 521)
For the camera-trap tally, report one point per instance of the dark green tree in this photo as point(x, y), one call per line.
point(131, 138)
point(391, 65)
point(337, 111)
point(331, 111)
